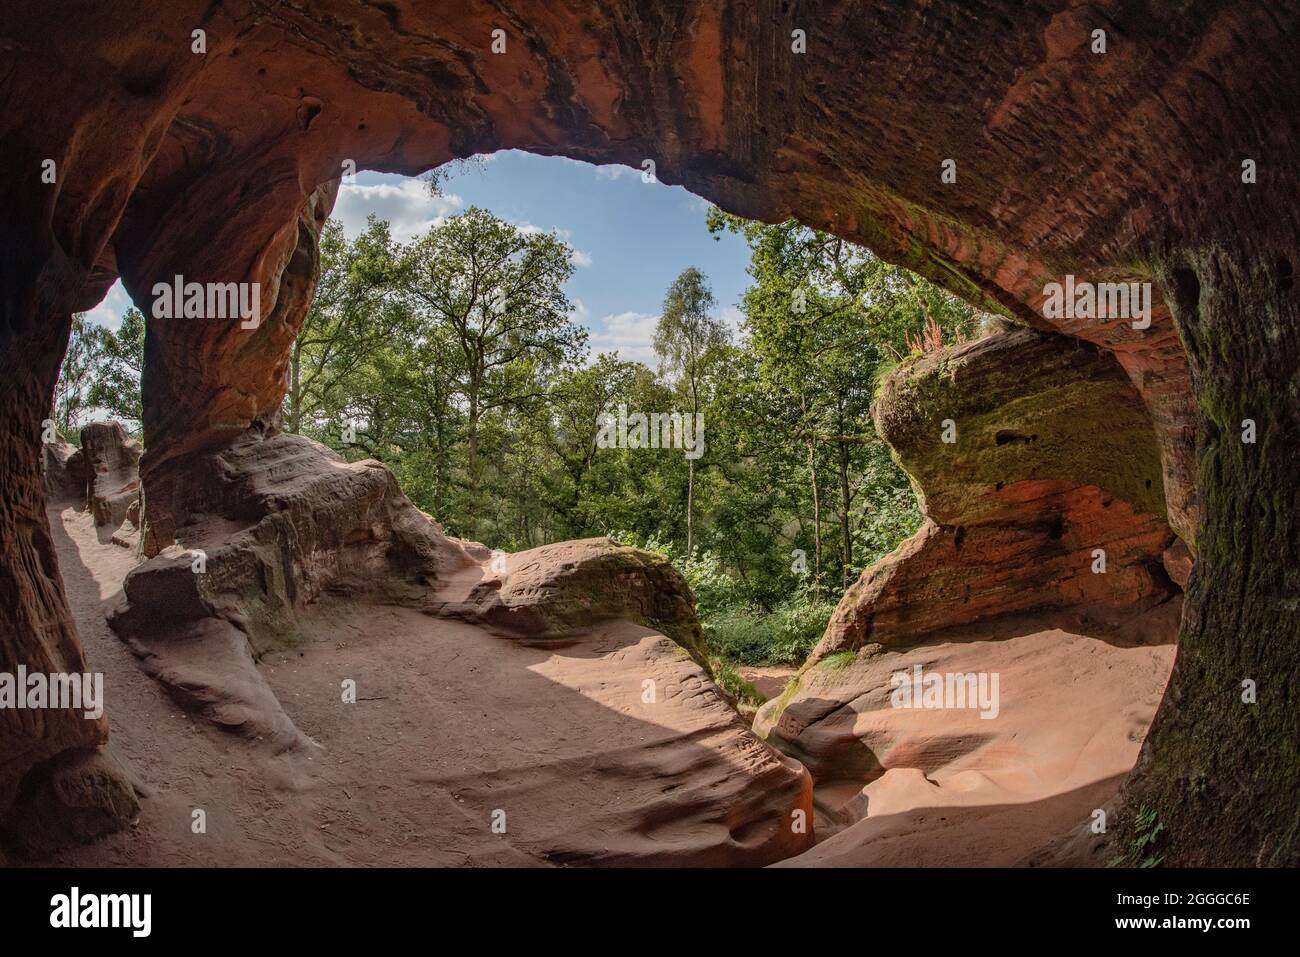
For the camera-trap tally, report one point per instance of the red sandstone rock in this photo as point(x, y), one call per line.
point(64, 467)
point(78, 796)
point(291, 530)
point(1051, 465)
point(1178, 561)
point(285, 520)
point(986, 780)
point(557, 590)
point(1053, 459)
point(112, 466)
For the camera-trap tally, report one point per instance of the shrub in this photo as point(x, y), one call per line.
point(783, 637)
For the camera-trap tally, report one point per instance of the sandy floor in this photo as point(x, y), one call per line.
point(956, 789)
point(450, 726)
point(769, 680)
point(411, 773)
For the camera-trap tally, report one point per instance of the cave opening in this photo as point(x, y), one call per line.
point(174, 174)
point(806, 337)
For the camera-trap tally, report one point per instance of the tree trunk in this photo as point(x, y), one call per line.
point(690, 506)
point(817, 517)
point(295, 390)
point(846, 537)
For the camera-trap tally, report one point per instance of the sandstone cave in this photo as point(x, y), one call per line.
point(992, 148)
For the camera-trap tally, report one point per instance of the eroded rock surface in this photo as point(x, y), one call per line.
point(1052, 459)
point(284, 519)
point(112, 470)
point(558, 590)
point(1052, 468)
point(65, 471)
point(295, 541)
point(77, 796)
point(986, 780)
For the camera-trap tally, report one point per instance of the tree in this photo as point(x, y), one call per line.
point(118, 368)
point(827, 319)
point(71, 400)
point(498, 291)
point(689, 342)
point(357, 307)
point(567, 426)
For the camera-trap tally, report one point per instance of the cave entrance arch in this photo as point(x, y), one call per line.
point(1169, 158)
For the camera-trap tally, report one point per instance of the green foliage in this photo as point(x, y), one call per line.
point(784, 636)
point(71, 403)
point(837, 660)
point(1141, 851)
point(116, 389)
point(100, 374)
point(465, 373)
point(727, 678)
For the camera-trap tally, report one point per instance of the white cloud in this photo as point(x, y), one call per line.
point(407, 206)
point(531, 229)
point(110, 309)
point(580, 259)
point(733, 317)
point(615, 171)
point(608, 171)
point(630, 333)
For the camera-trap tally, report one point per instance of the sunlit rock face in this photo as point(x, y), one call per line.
point(1038, 476)
point(65, 472)
point(283, 537)
point(112, 463)
point(1123, 165)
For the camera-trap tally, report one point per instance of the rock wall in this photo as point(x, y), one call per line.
point(282, 534)
point(276, 521)
point(1123, 165)
point(65, 471)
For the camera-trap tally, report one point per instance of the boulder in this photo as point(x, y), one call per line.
point(1039, 479)
point(285, 520)
point(1052, 469)
point(558, 590)
point(294, 539)
point(73, 798)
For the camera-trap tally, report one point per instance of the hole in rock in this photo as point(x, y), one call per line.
point(1007, 436)
point(1187, 293)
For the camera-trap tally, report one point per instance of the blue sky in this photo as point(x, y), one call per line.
point(630, 238)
